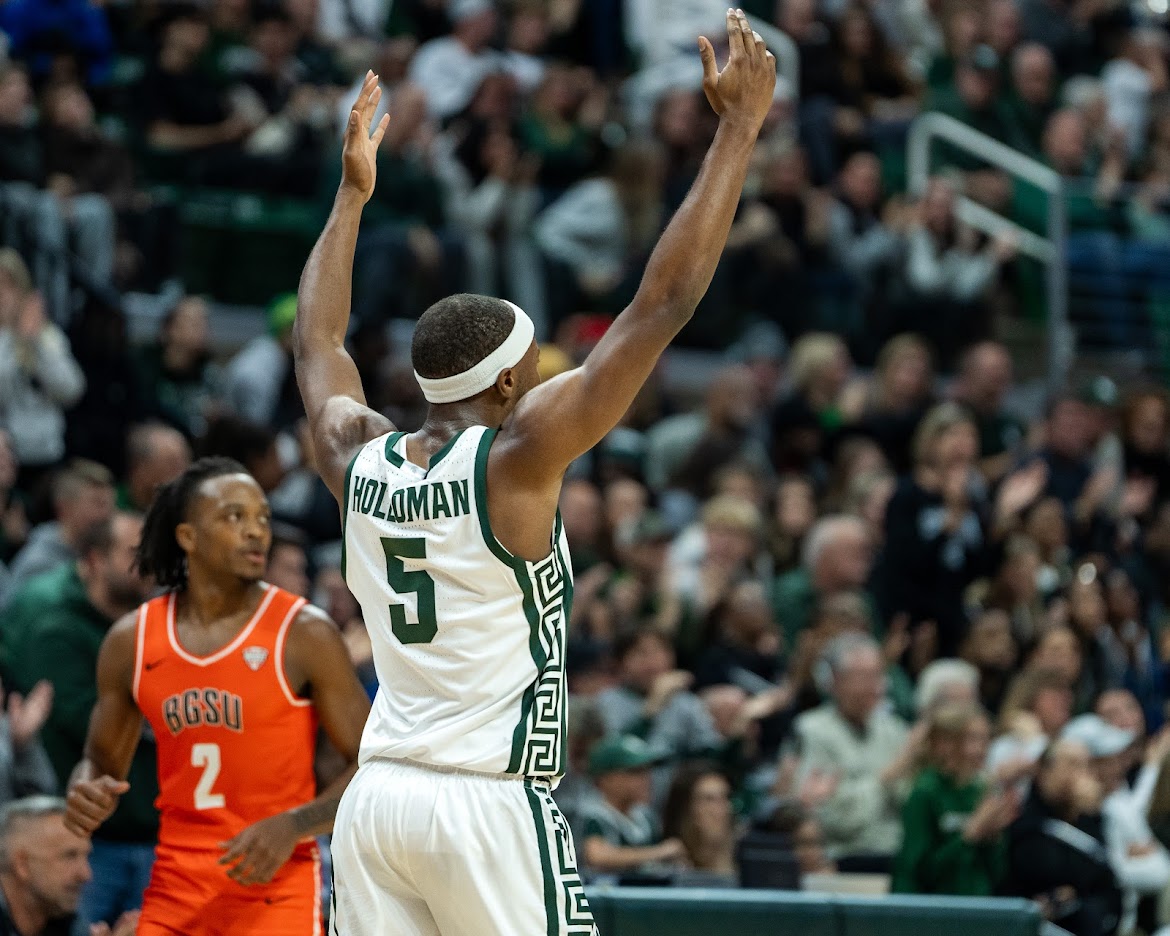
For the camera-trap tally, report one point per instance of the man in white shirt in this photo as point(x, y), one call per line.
point(451, 68)
point(1141, 863)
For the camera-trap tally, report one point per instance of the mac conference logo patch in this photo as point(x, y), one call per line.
point(255, 657)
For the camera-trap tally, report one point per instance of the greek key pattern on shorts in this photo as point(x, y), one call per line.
point(543, 737)
point(578, 916)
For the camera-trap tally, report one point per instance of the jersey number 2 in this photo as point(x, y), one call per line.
point(207, 757)
point(403, 582)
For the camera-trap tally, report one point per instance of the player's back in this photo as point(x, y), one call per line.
point(235, 745)
point(468, 640)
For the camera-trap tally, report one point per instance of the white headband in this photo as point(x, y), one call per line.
point(482, 375)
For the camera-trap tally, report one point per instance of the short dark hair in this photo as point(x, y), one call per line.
point(96, 538)
point(458, 332)
point(627, 640)
point(159, 552)
point(238, 439)
point(79, 474)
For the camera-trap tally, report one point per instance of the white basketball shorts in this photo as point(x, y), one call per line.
point(423, 851)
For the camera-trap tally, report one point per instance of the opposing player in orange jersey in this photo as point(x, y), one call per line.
point(232, 674)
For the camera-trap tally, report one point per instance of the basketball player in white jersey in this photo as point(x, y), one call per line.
point(455, 550)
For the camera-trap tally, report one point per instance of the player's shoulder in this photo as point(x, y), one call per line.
point(310, 623)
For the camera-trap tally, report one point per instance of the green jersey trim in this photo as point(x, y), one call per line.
point(392, 456)
point(345, 507)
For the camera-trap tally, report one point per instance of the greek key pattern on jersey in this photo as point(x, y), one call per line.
point(543, 737)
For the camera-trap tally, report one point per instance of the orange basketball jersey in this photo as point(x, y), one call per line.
point(235, 745)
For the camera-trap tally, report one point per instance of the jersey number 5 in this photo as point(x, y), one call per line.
point(404, 582)
point(207, 757)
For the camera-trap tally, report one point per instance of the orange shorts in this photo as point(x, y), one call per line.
point(190, 894)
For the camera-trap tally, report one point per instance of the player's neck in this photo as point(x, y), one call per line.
point(445, 419)
point(210, 598)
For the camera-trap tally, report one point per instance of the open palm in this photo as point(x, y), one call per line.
point(360, 153)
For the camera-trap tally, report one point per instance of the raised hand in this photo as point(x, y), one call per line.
point(28, 714)
point(742, 92)
point(360, 152)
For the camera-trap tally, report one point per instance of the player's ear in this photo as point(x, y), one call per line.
point(185, 537)
point(506, 383)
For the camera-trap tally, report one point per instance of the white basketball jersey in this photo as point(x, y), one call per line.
point(468, 639)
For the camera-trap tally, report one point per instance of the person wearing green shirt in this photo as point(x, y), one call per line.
point(953, 823)
point(53, 629)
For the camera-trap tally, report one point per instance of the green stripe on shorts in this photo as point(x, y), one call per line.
point(550, 884)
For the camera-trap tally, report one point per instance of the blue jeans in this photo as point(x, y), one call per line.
point(121, 871)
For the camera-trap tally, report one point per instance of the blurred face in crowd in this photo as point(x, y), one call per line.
point(1018, 575)
point(844, 612)
point(729, 546)
point(748, 615)
point(740, 482)
point(556, 94)
point(184, 41)
point(976, 86)
point(86, 507)
point(581, 512)
point(733, 399)
point(1122, 601)
point(856, 33)
point(956, 446)
point(808, 844)
point(709, 814)
point(625, 502)
point(113, 573)
point(288, 568)
point(626, 788)
point(187, 331)
point(477, 31)
point(1032, 73)
point(990, 644)
point(861, 182)
point(986, 377)
point(332, 594)
point(1088, 612)
point(650, 657)
point(1065, 767)
point(1059, 650)
point(859, 684)
point(938, 206)
point(1003, 26)
point(1147, 425)
point(528, 31)
point(846, 561)
point(1053, 709)
point(69, 107)
point(797, 18)
point(1065, 142)
point(48, 863)
point(1047, 526)
point(166, 455)
point(680, 118)
point(963, 29)
point(796, 506)
point(1120, 708)
point(15, 95)
point(906, 378)
point(961, 754)
point(275, 40)
point(786, 174)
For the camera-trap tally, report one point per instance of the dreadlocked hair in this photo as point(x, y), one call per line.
point(159, 553)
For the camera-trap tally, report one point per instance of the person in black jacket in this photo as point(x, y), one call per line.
point(1056, 851)
point(942, 529)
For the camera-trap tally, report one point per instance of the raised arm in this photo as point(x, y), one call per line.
point(561, 419)
point(339, 420)
point(114, 729)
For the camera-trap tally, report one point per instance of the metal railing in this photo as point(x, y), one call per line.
point(1048, 249)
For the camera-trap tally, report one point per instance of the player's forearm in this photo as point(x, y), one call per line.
point(316, 816)
point(683, 263)
point(324, 295)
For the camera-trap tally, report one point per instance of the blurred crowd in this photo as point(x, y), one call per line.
point(849, 612)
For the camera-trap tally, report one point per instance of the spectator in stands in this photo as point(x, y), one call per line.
point(39, 376)
point(1067, 451)
point(288, 561)
point(1003, 27)
point(54, 628)
point(808, 419)
point(863, 238)
point(43, 869)
point(1033, 96)
point(1067, 29)
point(42, 31)
point(14, 525)
point(837, 556)
point(1145, 438)
point(83, 497)
point(745, 642)
point(175, 371)
point(953, 822)
point(990, 647)
point(872, 79)
point(622, 832)
point(870, 751)
point(654, 702)
point(1141, 863)
point(1057, 853)
point(585, 731)
point(982, 383)
point(683, 450)
point(946, 270)
point(699, 814)
point(973, 99)
point(192, 131)
point(890, 406)
point(451, 68)
point(1131, 81)
point(253, 445)
point(155, 455)
point(946, 682)
point(561, 128)
point(259, 383)
point(596, 236)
